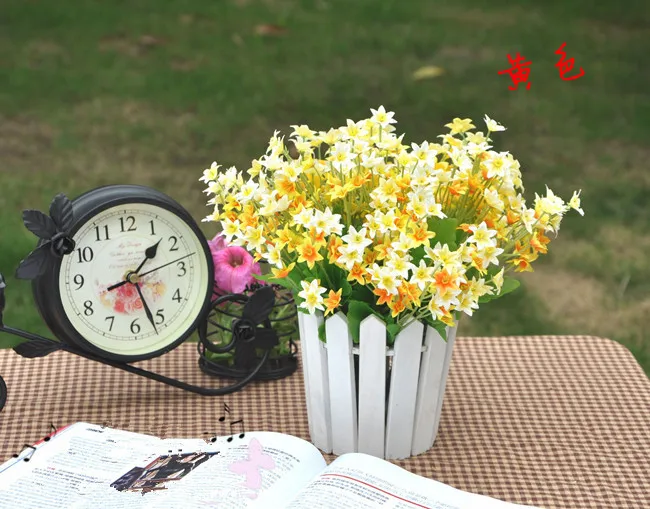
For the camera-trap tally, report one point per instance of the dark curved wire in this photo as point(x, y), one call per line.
point(3, 393)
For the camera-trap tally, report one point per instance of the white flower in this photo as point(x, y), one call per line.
point(400, 265)
point(492, 125)
point(549, 204)
point(254, 237)
point(385, 278)
point(382, 117)
point(356, 239)
point(274, 256)
point(349, 256)
point(574, 202)
point(497, 280)
point(467, 304)
point(422, 275)
point(311, 293)
point(211, 173)
point(482, 236)
point(304, 217)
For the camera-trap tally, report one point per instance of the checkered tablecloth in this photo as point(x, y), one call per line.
point(555, 422)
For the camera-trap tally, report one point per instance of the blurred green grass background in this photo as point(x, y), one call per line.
point(152, 92)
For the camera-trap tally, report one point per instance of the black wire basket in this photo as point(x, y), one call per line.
point(231, 343)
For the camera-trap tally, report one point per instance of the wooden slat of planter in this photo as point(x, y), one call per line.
point(343, 398)
point(403, 391)
point(433, 360)
point(314, 358)
point(451, 338)
point(372, 386)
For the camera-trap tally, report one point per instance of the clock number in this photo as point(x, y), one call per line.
point(177, 296)
point(174, 241)
point(161, 316)
point(131, 224)
point(181, 268)
point(112, 319)
point(135, 327)
point(88, 308)
point(79, 281)
point(98, 234)
point(153, 232)
point(85, 254)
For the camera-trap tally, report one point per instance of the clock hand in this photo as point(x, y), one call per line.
point(149, 254)
point(146, 307)
point(165, 265)
point(116, 285)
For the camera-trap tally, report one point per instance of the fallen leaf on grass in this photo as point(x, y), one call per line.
point(427, 72)
point(271, 30)
point(148, 41)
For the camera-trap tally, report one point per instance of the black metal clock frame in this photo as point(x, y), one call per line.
point(42, 266)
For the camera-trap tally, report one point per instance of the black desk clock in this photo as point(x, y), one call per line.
point(122, 274)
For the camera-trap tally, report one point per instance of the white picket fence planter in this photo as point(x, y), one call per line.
point(342, 420)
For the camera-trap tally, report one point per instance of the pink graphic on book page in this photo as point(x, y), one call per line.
point(252, 466)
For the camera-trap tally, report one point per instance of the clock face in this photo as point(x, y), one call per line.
point(119, 297)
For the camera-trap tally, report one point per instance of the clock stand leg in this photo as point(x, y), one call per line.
point(3, 393)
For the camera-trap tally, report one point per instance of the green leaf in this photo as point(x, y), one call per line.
point(362, 293)
point(441, 328)
point(357, 312)
point(418, 254)
point(321, 332)
point(393, 330)
point(285, 282)
point(436, 324)
point(445, 231)
point(337, 277)
point(510, 284)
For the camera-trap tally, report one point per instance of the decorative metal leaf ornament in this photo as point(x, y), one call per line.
point(37, 348)
point(54, 234)
point(35, 263)
point(61, 212)
point(39, 224)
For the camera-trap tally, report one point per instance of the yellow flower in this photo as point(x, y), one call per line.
point(460, 125)
point(309, 253)
point(444, 281)
point(384, 296)
point(358, 274)
point(284, 272)
point(332, 301)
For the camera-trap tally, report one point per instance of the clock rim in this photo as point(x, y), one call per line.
point(46, 290)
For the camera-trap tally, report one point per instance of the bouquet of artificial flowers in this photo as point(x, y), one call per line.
point(355, 220)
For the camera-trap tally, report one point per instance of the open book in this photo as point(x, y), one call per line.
point(85, 466)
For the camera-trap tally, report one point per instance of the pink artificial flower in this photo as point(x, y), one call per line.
point(234, 268)
point(217, 243)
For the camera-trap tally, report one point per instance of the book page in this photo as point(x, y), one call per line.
point(359, 481)
point(260, 470)
point(145, 480)
point(73, 463)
